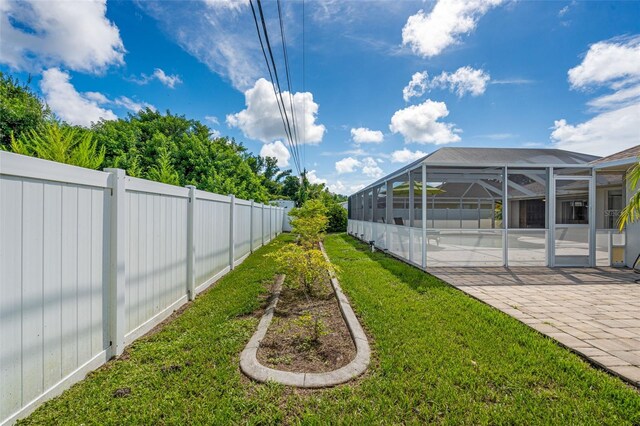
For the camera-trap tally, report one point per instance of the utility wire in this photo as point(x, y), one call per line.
point(275, 72)
point(279, 100)
point(296, 139)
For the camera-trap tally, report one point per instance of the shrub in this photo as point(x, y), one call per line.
point(337, 218)
point(313, 328)
point(304, 269)
point(64, 144)
point(309, 222)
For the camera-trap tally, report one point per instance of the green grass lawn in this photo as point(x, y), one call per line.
point(439, 356)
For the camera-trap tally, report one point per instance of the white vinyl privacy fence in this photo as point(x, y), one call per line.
point(91, 260)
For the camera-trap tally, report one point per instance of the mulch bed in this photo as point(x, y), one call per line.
point(288, 345)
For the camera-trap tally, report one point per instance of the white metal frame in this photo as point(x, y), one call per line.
point(591, 215)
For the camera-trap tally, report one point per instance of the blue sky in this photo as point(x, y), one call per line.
point(483, 73)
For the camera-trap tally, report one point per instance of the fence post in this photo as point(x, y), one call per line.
point(262, 226)
point(191, 249)
point(232, 231)
point(270, 223)
point(117, 264)
point(251, 228)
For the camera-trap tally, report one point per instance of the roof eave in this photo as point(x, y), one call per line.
point(615, 163)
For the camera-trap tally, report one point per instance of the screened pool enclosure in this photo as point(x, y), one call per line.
point(495, 207)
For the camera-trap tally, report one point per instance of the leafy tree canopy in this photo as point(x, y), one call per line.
point(20, 110)
point(159, 146)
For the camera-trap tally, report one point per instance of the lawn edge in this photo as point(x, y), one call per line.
point(250, 365)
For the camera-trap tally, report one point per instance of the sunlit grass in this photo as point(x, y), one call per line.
point(439, 356)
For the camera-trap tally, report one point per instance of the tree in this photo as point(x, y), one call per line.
point(215, 164)
point(20, 110)
point(147, 144)
point(309, 222)
point(164, 171)
point(631, 212)
point(337, 218)
point(61, 143)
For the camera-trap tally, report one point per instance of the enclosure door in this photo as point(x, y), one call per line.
point(571, 228)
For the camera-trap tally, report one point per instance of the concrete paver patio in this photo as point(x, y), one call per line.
point(593, 311)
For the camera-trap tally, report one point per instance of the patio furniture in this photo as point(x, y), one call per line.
point(636, 268)
point(434, 235)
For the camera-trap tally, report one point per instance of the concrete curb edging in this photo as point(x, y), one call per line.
point(251, 367)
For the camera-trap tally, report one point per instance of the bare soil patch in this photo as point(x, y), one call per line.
point(290, 345)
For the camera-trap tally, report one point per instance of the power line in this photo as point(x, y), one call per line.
point(288, 75)
point(276, 91)
point(275, 72)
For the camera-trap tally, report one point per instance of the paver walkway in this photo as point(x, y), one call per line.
point(595, 312)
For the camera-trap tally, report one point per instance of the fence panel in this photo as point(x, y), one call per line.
point(266, 224)
point(156, 254)
point(256, 224)
point(242, 223)
point(53, 251)
point(59, 308)
point(211, 236)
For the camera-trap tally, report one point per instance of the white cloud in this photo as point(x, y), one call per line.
point(417, 86)
point(613, 64)
point(217, 33)
point(340, 187)
point(613, 61)
point(419, 123)
point(278, 151)
point(74, 34)
point(314, 179)
point(234, 5)
point(464, 80)
point(406, 156)
point(617, 99)
point(364, 135)
point(158, 74)
point(563, 11)
point(212, 119)
point(121, 101)
point(512, 81)
point(337, 188)
point(261, 119)
point(97, 97)
point(370, 168)
point(604, 134)
point(347, 165)
point(129, 104)
point(429, 34)
point(168, 80)
point(65, 101)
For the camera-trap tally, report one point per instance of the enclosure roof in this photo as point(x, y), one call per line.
point(506, 156)
point(627, 156)
point(494, 157)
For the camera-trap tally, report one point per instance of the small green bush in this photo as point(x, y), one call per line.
point(305, 270)
point(337, 218)
point(64, 144)
point(313, 328)
point(309, 222)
